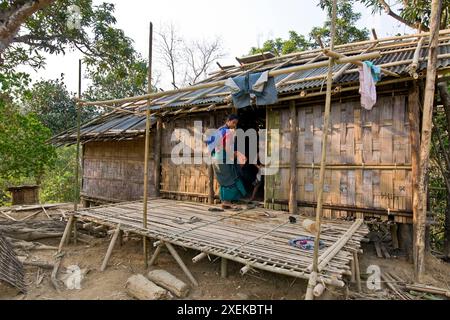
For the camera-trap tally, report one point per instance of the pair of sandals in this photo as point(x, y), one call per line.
point(191, 220)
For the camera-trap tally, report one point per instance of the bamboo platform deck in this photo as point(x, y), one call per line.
point(257, 238)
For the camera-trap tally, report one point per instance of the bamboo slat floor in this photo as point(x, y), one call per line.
point(256, 237)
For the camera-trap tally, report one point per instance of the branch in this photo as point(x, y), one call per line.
point(11, 25)
point(388, 10)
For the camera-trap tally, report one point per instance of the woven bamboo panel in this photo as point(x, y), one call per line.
point(187, 181)
point(115, 170)
point(357, 138)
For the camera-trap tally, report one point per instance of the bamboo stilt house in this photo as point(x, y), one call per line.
point(371, 154)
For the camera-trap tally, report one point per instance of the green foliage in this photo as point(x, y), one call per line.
point(23, 148)
point(411, 12)
point(58, 185)
point(346, 29)
point(54, 105)
point(113, 65)
point(346, 32)
point(279, 46)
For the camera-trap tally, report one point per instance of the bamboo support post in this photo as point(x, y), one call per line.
point(76, 199)
point(110, 248)
point(75, 231)
point(147, 145)
point(223, 268)
point(157, 157)
point(66, 233)
point(210, 167)
point(293, 209)
point(313, 277)
point(357, 271)
point(156, 254)
point(425, 145)
point(180, 262)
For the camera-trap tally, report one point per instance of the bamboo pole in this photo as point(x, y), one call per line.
point(274, 73)
point(156, 254)
point(223, 268)
point(180, 262)
point(110, 248)
point(336, 55)
point(76, 199)
point(293, 159)
point(157, 157)
point(66, 233)
point(425, 145)
point(210, 167)
point(314, 274)
point(415, 61)
point(147, 145)
point(359, 43)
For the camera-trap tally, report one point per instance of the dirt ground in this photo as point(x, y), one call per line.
point(127, 260)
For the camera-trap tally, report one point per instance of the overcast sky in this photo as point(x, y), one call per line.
point(240, 23)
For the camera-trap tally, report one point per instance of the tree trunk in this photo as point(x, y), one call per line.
point(15, 17)
point(419, 256)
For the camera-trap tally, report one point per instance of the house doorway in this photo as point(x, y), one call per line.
point(252, 118)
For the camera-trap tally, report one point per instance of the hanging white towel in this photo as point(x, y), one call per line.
point(367, 88)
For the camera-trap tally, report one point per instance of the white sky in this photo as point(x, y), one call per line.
point(240, 23)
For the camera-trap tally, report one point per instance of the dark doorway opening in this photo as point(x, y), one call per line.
point(252, 118)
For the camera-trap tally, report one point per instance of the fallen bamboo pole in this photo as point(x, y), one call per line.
point(326, 122)
point(428, 289)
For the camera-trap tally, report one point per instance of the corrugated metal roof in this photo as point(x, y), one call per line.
point(131, 125)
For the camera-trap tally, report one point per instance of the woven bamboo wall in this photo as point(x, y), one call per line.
point(189, 181)
point(369, 152)
point(114, 170)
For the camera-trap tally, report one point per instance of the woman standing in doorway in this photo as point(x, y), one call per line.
point(224, 156)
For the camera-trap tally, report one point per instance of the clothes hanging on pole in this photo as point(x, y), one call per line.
point(369, 75)
point(255, 86)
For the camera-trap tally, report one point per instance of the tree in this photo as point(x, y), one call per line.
point(279, 46)
point(13, 14)
point(54, 105)
point(413, 13)
point(189, 60)
point(199, 56)
point(346, 29)
point(346, 32)
point(23, 148)
point(169, 46)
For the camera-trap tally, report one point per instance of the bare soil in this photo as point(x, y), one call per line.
point(127, 260)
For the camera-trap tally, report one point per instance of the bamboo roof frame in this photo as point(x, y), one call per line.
point(334, 57)
point(137, 105)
